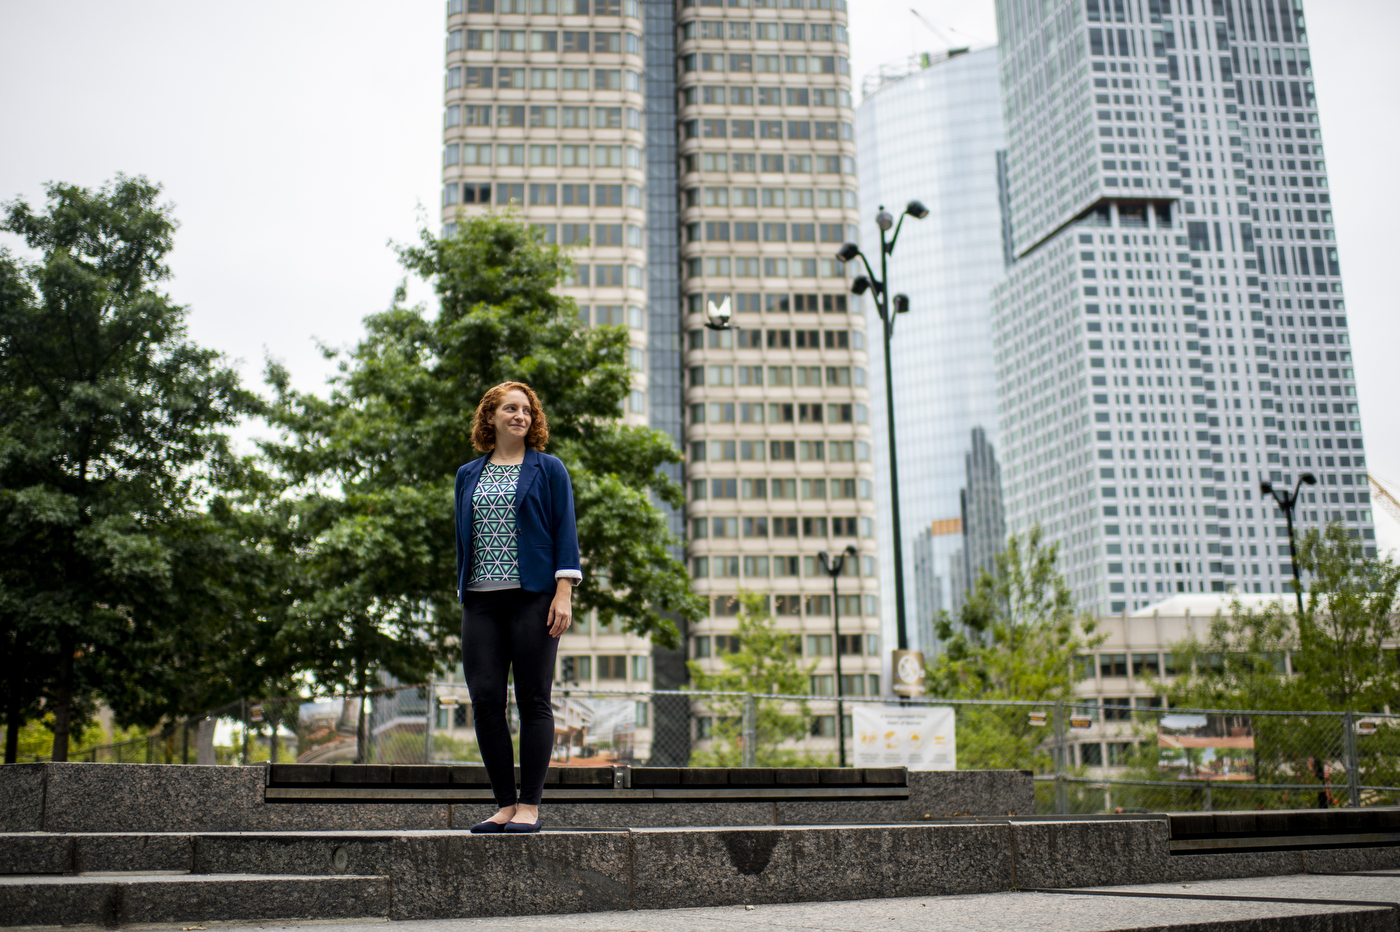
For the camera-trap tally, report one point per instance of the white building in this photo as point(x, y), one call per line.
point(1174, 327)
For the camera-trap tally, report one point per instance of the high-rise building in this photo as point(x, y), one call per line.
point(697, 155)
point(983, 516)
point(778, 427)
point(931, 131)
point(544, 103)
point(1174, 327)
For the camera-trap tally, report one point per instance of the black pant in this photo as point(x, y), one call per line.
point(502, 629)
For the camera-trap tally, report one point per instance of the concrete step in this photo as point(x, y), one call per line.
point(454, 874)
point(111, 899)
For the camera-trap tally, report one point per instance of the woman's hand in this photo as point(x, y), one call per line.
point(561, 610)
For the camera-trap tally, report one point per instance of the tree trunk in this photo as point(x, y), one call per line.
point(63, 701)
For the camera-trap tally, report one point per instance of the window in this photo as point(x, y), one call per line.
point(1113, 665)
point(612, 667)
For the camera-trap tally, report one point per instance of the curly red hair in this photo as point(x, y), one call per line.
point(484, 423)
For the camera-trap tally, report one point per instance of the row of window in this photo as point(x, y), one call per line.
point(747, 231)
point(554, 7)
point(543, 195)
point(535, 154)
point(510, 115)
point(758, 567)
point(779, 376)
point(777, 339)
point(746, 63)
point(754, 267)
point(814, 606)
point(606, 276)
point(801, 130)
point(754, 451)
point(612, 315)
point(770, 31)
point(781, 489)
point(546, 79)
point(771, 197)
point(577, 668)
point(537, 40)
point(744, 412)
point(737, 95)
point(837, 5)
point(752, 303)
point(770, 164)
point(760, 526)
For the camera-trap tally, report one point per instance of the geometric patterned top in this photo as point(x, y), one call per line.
point(494, 551)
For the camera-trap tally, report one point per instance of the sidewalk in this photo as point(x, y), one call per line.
point(1336, 903)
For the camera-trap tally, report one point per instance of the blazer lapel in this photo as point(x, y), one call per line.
point(473, 474)
point(529, 472)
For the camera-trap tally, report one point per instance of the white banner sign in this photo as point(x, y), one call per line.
point(918, 737)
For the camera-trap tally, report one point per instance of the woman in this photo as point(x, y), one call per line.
point(517, 564)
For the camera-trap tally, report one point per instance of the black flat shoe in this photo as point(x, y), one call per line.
point(524, 828)
point(487, 828)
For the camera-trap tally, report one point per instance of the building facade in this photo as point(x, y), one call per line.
point(544, 106)
point(1173, 328)
point(696, 155)
point(778, 455)
point(931, 132)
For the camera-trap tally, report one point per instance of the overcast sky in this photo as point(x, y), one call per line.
point(296, 139)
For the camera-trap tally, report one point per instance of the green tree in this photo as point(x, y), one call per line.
point(1339, 664)
point(111, 444)
point(766, 662)
point(372, 465)
point(1017, 641)
point(1336, 645)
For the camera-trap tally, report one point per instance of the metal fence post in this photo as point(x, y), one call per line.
point(750, 725)
point(428, 726)
point(1061, 800)
point(1353, 766)
point(246, 726)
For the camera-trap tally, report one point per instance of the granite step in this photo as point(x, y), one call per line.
point(117, 877)
point(118, 898)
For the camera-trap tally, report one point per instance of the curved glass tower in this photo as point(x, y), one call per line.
point(934, 135)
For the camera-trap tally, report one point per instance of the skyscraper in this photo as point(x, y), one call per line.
point(543, 114)
point(700, 155)
point(931, 131)
point(778, 430)
point(1174, 327)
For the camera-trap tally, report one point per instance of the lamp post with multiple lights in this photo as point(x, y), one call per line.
point(907, 671)
point(1286, 501)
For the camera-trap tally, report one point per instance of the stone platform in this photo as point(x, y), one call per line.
point(1293, 903)
point(78, 797)
point(103, 845)
point(122, 878)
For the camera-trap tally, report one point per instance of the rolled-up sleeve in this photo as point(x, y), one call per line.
point(566, 553)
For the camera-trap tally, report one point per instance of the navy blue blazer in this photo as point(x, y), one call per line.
point(546, 535)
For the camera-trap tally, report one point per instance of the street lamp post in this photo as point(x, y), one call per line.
point(879, 288)
point(1286, 501)
point(833, 567)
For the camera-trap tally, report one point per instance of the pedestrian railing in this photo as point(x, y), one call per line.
point(1085, 757)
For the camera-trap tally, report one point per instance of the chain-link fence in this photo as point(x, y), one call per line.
point(1086, 757)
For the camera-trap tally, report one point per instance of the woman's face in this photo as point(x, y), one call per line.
point(513, 415)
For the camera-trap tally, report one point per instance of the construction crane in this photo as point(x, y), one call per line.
point(953, 47)
point(1386, 500)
